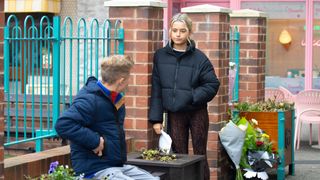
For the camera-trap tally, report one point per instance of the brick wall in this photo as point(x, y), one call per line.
point(252, 30)
point(1, 91)
point(211, 34)
point(143, 35)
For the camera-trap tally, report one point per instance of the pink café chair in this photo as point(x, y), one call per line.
point(288, 96)
point(307, 104)
point(274, 94)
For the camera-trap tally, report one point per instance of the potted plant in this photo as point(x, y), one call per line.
point(172, 166)
point(277, 120)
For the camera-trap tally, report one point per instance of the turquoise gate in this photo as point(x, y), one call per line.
point(234, 65)
point(46, 63)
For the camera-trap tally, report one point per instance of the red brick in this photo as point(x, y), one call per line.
point(144, 57)
point(138, 24)
point(214, 36)
point(142, 124)
point(212, 136)
point(143, 79)
point(207, 45)
point(249, 45)
point(136, 46)
point(141, 113)
point(1, 151)
point(151, 13)
point(1, 33)
point(208, 27)
point(237, 21)
point(129, 35)
point(142, 101)
point(142, 68)
point(139, 91)
point(122, 12)
point(212, 145)
point(144, 35)
point(129, 101)
point(141, 145)
point(253, 30)
point(129, 123)
point(253, 54)
point(197, 17)
point(253, 38)
point(201, 36)
point(137, 134)
point(215, 17)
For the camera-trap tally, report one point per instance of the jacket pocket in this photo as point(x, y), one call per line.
point(111, 150)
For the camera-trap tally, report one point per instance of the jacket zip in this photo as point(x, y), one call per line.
point(120, 133)
point(175, 80)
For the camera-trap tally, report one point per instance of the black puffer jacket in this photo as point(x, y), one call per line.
point(181, 83)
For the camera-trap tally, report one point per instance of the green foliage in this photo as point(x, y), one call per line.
point(60, 173)
point(152, 154)
point(264, 106)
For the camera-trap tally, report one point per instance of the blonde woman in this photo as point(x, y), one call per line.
point(183, 82)
point(94, 125)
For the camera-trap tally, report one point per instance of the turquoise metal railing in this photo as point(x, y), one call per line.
point(234, 58)
point(46, 63)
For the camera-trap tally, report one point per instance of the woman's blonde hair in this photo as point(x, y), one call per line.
point(182, 18)
point(115, 67)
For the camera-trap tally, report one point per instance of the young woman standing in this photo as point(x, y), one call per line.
point(183, 82)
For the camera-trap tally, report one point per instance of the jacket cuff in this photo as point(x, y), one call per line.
point(155, 122)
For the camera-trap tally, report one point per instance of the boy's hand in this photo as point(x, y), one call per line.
point(157, 128)
point(98, 150)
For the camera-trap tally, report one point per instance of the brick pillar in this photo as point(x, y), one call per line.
point(211, 34)
point(252, 27)
point(2, 21)
point(143, 23)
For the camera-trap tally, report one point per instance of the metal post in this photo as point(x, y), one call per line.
point(236, 57)
point(6, 78)
point(281, 146)
point(56, 70)
point(121, 41)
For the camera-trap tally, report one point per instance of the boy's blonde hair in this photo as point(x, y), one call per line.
point(115, 67)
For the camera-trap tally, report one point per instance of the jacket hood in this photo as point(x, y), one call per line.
point(191, 46)
point(91, 86)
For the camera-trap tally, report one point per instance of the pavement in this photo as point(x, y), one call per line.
point(307, 163)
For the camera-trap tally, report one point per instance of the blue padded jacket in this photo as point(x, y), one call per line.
point(91, 115)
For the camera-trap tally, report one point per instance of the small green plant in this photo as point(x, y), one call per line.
point(269, 105)
point(57, 172)
point(60, 172)
point(152, 154)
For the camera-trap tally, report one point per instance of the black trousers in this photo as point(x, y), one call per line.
point(198, 123)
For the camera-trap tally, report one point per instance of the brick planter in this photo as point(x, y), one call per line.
point(186, 167)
